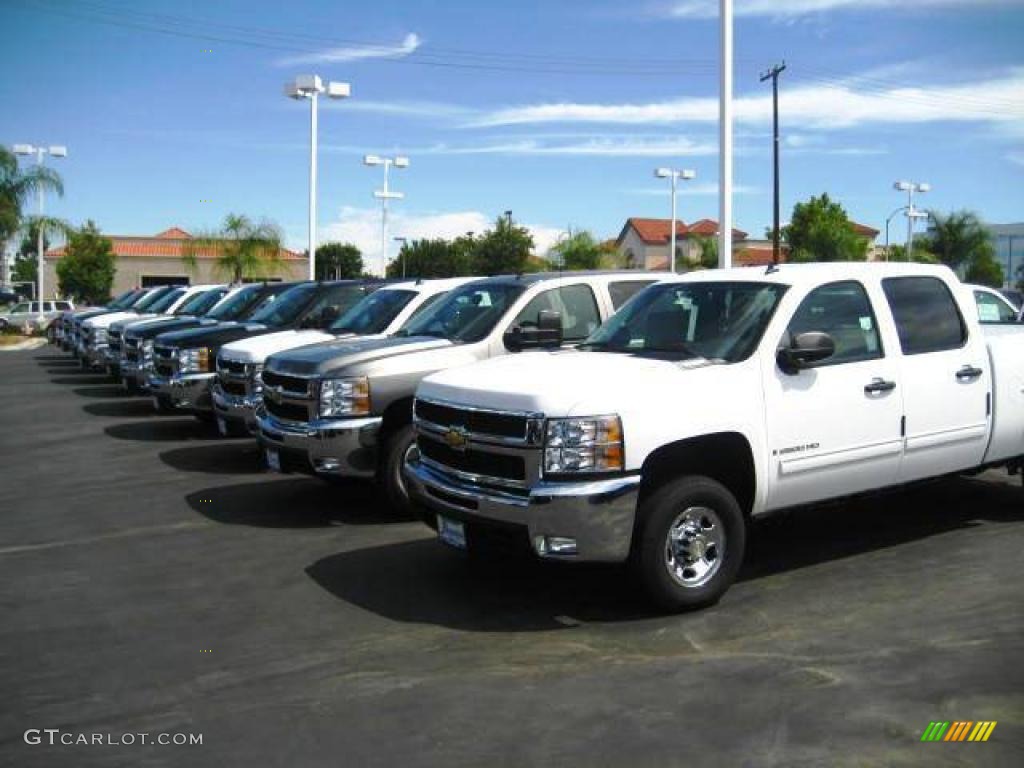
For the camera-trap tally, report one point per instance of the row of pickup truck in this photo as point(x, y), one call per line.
point(602, 416)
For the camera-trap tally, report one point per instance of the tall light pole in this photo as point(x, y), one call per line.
point(773, 75)
point(384, 195)
point(725, 136)
point(310, 87)
point(403, 241)
point(40, 152)
point(910, 187)
point(675, 176)
point(887, 220)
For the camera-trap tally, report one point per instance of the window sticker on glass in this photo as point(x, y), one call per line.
point(865, 323)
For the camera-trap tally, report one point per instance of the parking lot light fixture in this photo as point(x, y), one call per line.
point(310, 87)
point(54, 150)
point(675, 175)
point(910, 187)
point(385, 194)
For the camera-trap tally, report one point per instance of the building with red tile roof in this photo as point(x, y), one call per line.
point(143, 260)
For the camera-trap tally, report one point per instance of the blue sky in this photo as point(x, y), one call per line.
point(174, 113)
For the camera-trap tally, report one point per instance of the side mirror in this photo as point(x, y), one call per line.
point(805, 351)
point(547, 333)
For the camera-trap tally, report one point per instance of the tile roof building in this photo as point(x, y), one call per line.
point(159, 259)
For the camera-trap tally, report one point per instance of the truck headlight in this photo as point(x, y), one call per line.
point(587, 444)
point(147, 353)
point(344, 397)
point(194, 360)
point(256, 378)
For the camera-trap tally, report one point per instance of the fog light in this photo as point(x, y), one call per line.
point(327, 465)
point(554, 546)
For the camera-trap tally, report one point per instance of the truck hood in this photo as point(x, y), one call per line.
point(257, 349)
point(148, 329)
point(136, 322)
point(567, 383)
point(212, 335)
point(107, 319)
point(345, 353)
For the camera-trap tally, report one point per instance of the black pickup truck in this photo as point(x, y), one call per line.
point(184, 362)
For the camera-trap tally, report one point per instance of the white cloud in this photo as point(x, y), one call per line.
point(408, 45)
point(708, 9)
point(590, 146)
point(361, 226)
point(420, 109)
point(813, 107)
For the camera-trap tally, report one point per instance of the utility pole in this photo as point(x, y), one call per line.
point(725, 135)
point(773, 75)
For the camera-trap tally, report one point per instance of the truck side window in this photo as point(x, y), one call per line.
point(843, 311)
point(927, 317)
point(427, 302)
point(622, 291)
point(576, 304)
point(993, 310)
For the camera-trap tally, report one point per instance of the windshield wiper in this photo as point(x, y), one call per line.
point(681, 349)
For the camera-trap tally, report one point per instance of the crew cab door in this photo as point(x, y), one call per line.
point(946, 378)
point(576, 304)
point(834, 429)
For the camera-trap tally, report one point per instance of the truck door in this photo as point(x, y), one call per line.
point(945, 372)
point(834, 429)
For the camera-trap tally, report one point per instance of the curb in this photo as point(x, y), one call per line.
point(27, 344)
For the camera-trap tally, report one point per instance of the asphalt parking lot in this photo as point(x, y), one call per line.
point(154, 580)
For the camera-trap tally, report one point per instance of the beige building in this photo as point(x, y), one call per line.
point(644, 244)
point(159, 260)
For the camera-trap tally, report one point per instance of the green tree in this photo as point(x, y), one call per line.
point(435, 257)
point(243, 248)
point(820, 230)
point(986, 270)
point(576, 250)
point(17, 187)
point(86, 271)
point(505, 249)
point(24, 269)
point(708, 258)
point(338, 261)
point(959, 240)
point(921, 253)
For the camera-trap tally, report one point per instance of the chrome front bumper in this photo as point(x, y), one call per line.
point(238, 409)
point(134, 373)
point(597, 514)
point(98, 356)
point(184, 391)
point(343, 447)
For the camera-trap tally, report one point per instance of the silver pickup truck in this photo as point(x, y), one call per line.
point(344, 409)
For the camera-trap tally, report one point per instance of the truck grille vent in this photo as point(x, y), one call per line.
point(477, 422)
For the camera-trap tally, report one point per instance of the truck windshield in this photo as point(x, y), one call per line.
point(467, 314)
point(287, 307)
point(374, 313)
point(148, 300)
point(124, 300)
point(201, 303)
point(166, 300)
point(721, 321)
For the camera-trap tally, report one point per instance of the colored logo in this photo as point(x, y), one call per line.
point(456, 438)
point(959, 730)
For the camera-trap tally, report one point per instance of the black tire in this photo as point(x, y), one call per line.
point(703, 502)
point(393, 453)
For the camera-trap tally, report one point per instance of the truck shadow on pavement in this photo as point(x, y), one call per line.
point(102, 392)
point(81, 379)
point(422, 581)
point(225, 457)
point(294, 502)
point(177, 430)
point(128, 408)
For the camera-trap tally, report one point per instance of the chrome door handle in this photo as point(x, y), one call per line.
point(879, 385)
point(968, 372)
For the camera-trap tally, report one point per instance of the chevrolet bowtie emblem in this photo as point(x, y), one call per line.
point(456, 438)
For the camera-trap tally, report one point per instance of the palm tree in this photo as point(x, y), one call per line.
point(959, 239)
point(243, 248)
point(17, 186)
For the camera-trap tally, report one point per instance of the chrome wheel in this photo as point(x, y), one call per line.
point(695, 546)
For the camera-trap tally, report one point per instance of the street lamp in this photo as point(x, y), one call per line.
point(39, 152)
point(887, 220)
point(675, 176)
point(310, 87)
point(910, 187)
point(384, 195)
point(403, 241)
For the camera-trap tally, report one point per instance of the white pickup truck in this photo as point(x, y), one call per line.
point(713, 398)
